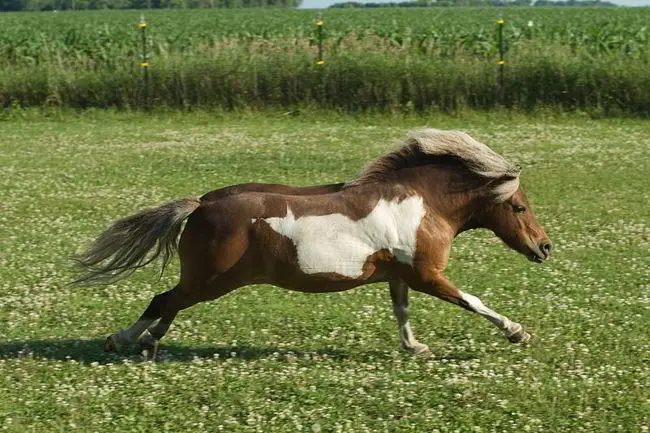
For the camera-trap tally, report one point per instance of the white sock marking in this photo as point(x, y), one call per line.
point(506, 325)
point(160, 329)
point(405, 333)
point(133, 333)
point(335, 243)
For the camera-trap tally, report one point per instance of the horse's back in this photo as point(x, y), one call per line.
point(232, 217)
point(270, 188)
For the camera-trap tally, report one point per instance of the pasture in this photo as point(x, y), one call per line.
point(267, 360)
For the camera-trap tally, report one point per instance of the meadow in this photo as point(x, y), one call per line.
point(435, 59)
point(267, 360)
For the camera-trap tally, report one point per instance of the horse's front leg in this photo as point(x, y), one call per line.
point(399, 296)
point(437, 285)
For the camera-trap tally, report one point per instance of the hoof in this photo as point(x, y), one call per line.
point(110, 345)
point(419, 349)
point(520, 336)
point(148, 346)
point(149, 350)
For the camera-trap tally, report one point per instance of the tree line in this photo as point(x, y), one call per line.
point(48, 5)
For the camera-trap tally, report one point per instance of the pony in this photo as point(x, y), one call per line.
point(393, 223)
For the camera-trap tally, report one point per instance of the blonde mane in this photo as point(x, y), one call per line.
point(501, 176)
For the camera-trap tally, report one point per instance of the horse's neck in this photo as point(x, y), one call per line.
point(456, 208)
point(474, 220)
point(470, 224)
point(449, 196)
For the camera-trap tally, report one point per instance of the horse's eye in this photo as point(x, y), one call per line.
point(520, 209)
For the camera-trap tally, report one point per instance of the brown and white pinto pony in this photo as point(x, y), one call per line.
point(394, 223)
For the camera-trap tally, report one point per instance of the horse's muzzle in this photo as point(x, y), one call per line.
point(541, 252)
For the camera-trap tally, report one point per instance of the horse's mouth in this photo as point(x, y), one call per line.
point(537, 255)
point(536, 258)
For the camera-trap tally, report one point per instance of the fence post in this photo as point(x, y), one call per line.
point(144, 63)
point(501, 62)
point(318, 22)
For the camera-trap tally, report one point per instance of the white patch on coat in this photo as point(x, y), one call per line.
point(337, 244)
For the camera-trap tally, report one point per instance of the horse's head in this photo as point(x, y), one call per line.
point(513, 221)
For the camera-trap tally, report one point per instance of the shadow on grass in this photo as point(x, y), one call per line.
point(89, 351)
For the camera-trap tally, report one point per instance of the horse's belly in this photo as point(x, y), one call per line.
point(322, 283)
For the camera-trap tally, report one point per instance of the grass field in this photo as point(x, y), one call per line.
point(267, 360)
point(106, 38)
point(390, 60)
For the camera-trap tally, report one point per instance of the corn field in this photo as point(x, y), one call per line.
point(90, 58)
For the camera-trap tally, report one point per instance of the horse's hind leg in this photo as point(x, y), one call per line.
point(177, 299)
point(155, 320)
point(149, 340)
point(399, 296)
point(156, 310)
point(166, 308)
point(206, 274)
point(158, 331)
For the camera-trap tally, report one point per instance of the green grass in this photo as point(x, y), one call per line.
point(265, 359)
point(390, 60)
point(104, 37)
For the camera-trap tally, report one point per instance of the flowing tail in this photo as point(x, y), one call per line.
point(127, 244)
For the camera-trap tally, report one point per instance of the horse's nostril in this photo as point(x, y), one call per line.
point(546, 247)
